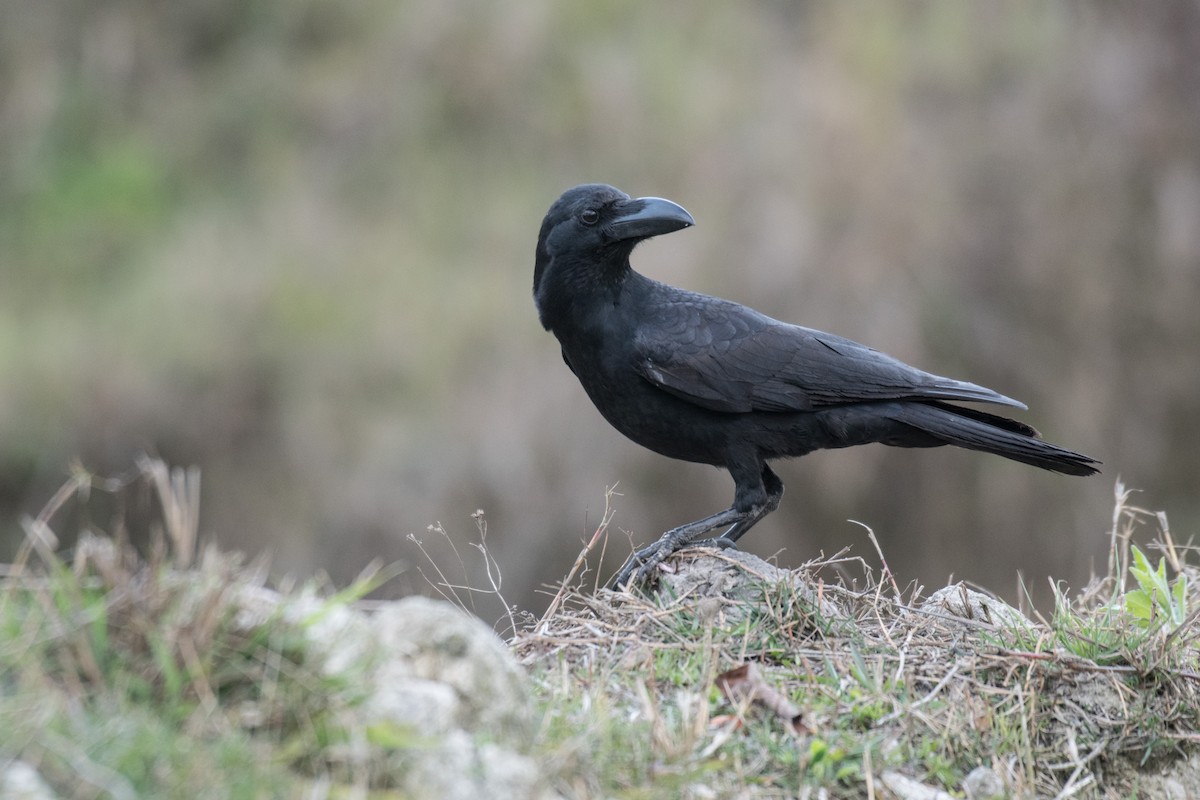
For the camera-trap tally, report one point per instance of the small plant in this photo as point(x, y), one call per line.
point(827, 762)
point(1155, 602)
point(154, 672)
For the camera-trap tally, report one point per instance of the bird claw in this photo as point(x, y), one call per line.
point(641, 566)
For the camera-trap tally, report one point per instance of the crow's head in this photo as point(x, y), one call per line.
point(591, 230)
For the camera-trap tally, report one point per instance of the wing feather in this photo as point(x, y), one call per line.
point(725, 357)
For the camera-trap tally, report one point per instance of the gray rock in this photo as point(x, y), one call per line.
point(959, 601)
point(20, 781)
point(739, 577)
point(431, 708)
point(435, 673)
point(984, 784)
point(907, 788)
point(458, 768)
point(431, 640)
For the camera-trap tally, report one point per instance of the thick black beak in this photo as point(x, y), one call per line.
point(648, 216)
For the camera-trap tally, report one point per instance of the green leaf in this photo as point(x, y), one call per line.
point(1155, 593)
point(1143, 573)
point(1139, 604)
point(847, 771)
point(391, 736)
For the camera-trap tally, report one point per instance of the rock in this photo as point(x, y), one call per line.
point(430, 708)
point(906, 788)
point(20, 781)
point(458, 768)
point(446, 675)
point(434, 675)
point(984, 784)
point(739, 577)
point(431, 640)
point(959, 601)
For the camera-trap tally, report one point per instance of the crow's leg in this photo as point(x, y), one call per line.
point(643, 562)
point(755, 498)
point(774, 490)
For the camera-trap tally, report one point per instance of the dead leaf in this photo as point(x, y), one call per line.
point(744, 685)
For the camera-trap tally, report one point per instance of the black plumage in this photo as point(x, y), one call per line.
point(708, 380)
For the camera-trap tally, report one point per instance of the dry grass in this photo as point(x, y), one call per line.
point(1088, 703)
point(128, 674)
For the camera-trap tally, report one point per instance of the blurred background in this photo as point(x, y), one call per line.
point(292, 243)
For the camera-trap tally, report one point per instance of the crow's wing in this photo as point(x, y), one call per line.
point(725, 357)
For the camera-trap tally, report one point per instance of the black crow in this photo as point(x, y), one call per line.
point(703, 379)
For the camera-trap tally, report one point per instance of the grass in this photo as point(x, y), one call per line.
point(128, 675)
point(886, 683)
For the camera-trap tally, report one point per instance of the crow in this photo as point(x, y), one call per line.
point(707, 380)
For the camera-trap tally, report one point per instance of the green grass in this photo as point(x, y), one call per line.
point(885, 684)
point(129, 675)
point(136, 698)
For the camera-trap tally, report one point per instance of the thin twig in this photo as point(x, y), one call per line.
point(598, 536)
point(887, 571)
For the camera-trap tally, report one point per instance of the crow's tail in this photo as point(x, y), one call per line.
point(977, 430)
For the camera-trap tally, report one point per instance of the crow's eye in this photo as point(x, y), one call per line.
point(589, 216)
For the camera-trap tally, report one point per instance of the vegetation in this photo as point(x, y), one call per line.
point(124, 676)
point(1099, 701)
point(127, 675)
